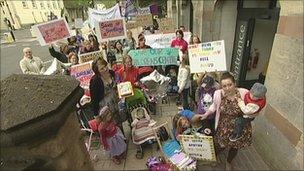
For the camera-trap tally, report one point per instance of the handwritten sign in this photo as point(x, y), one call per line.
point(200, 147)
point(83, 73)
point(90, 56)
point(131, 24)
point(154, 57)
point(111, 29)
point(207, 57)
point(144, 20)
point(52, 31)
point(125, 89)
point(163, 40)
point(166, 25)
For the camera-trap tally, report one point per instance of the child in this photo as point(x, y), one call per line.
point(254, 102)
point(183, 82)
point(111, 136)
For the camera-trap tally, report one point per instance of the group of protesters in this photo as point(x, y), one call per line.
point(221, 109)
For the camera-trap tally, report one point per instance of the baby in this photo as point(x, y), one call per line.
point(254, 102)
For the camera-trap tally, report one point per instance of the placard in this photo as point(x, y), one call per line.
point(166, 25)
point(209, 57)
point(78, 23)
point(131, 25)
point(83, 73)
point(200, 147)
point(163, 40)
point(154, 57)
point(52, 31)
point(144, 20)
point(90, 56)
point(125, 89)
point(111, 29)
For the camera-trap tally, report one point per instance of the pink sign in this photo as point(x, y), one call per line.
point(111, 29)
point(52, 31)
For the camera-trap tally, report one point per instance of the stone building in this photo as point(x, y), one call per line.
point(259, 36)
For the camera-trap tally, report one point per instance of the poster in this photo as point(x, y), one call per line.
point(166, 25)
point(200, 147)
point(209, 57)
point(163, 40)
point(52, 31)
point(144, 20)
point(111, 29)
point(125, 89)
point(90, 56)
point(83, 73)
point(78, 23)
point(154, 57)
point(101, 15)
point(131, 25)
point(145, 10)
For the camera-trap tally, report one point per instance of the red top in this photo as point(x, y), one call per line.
point(107, 130)
point(260, 102)
point(181, 44)
point(130, 74)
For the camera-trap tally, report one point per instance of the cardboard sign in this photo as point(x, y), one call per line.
point(200, 147)
point(52, 31)
point(142, 11)
point(78, 23)
point(131, 25)
point(90, 56)
point(163, 40)
point(83, 73)
point(125, 89)
point(144, 20)
point(111, 29)
point(166, 25)
point(207, 57)
point(154, 57)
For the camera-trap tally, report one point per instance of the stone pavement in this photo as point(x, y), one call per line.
point(247, 159)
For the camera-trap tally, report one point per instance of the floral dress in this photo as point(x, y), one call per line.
point(229, 112)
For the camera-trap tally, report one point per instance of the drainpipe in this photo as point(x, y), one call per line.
point(9, 11)
point(177, 12)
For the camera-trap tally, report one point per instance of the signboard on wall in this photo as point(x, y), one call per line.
point(209, 57)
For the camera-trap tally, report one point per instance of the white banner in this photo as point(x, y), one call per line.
point(142, 11)
point(97, 15)
point(209, 57)
point(163, 40)
point(78, 23)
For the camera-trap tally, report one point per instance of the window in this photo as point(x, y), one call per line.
point(41, 5)
point(34, 4)
point(24, 4)
point(54, 5)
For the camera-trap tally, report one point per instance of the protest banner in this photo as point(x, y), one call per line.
point(90, 56)
point(200, 147)
point(111, 29)
point(83, 73)
point(131, 25)
point(163, 40)
point(52, 31)
point(209, 57)
point(144, 20)
point(96, 16)
point(166, 25)
point(154, 57)
point(142, 11)
point(78, 23)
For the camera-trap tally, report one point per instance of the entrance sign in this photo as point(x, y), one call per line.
point(207, 57)
point(90, 56)
point(51, 32)
point(101, 15)
point(83, 73)
point(154, 57)
point(111, 29)
point(200, 147)
point(144, 20)
point(163, 40)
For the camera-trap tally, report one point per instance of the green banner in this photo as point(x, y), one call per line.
point(154, 57)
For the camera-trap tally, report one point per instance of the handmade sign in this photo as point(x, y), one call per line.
point(78, 23)
point(154, 57)
point(101, 15)
point(125, 89)
point(166, 25)
point(111, 29)
point(83, 73)
point(90, 56)
point(142, 11)
point(200, 147)
point(207, 57)
point(144, 20)
point(52, 31)
point(163, 40)
point(131, 25)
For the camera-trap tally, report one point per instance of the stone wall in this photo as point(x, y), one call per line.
point(279, 132)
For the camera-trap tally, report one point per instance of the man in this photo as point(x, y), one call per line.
point(30, 64)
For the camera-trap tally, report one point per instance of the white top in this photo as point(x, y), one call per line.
point(249, 110)
point(32, 66)
point(183, 77)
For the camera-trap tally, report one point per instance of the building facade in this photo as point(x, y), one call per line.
point(28, 12)
point(263, 43)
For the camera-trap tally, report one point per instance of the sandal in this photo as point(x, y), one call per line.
point(116, 161)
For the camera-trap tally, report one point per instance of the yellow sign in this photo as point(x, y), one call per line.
point(144, 20)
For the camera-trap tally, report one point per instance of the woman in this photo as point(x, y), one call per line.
point(183, 82)
point(103, 89)
point(87, 47)
point(118, 51)
point(179, 42)
point(94, 42)
point(62, 55)
point(194, 40)
point(73, 58)
point(142, 42)
point(225, 106)
point(129, 43)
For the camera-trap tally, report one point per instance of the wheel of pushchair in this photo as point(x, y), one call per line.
point(139, 153)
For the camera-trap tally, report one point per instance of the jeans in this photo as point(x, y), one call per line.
point(240, 123)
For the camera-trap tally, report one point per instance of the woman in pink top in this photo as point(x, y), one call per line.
point(225, 106)
point(179, 41)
